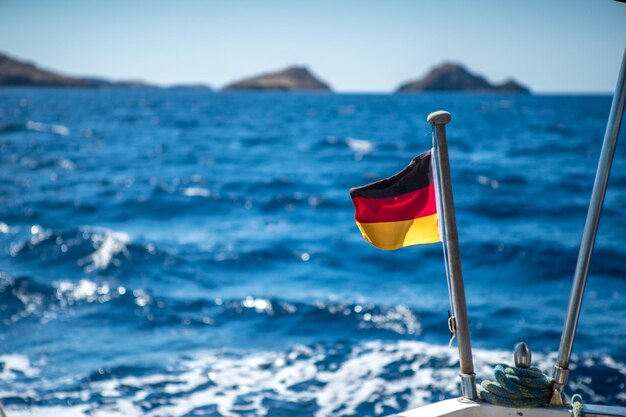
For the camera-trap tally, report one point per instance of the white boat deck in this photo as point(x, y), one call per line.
point(461, 407)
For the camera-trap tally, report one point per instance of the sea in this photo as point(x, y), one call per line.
point(170, 253)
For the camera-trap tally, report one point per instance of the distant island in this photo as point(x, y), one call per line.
point(16, 73)
point(449, 77)
point(189, 87)
point(455, 77)
point(290, 79)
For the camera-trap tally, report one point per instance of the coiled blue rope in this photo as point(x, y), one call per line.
point(516, 387)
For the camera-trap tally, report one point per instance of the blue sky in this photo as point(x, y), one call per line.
point(355, 45)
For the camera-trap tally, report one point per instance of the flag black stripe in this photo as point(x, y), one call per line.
point(418, 174)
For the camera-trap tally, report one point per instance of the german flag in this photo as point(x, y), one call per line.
point(400, 210)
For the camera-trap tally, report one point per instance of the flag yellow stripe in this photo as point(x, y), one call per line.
point(395, 235)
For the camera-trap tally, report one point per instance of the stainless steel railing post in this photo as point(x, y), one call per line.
point(561, 369)
point(438, 120)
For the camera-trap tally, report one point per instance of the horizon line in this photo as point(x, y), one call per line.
point(213, 88)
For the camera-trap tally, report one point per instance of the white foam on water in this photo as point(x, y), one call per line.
point(15, 364)
point(60, 130)
point(69, 292)
point(339, 381)
point(107, 244)
point(360, 146)
point(341, 395)
point(138, 382)
point(32, 304)
point(66, 164)
point(611, 363)
point(36, 126)
point(52, 411)
point(42, 127)
point(4, 228)
point(489, 182)
point(399, 319)
point(196, 192)
point(260, 305)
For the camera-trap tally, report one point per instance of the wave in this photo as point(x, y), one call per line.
point(196, 192)
point(355, 145)
point(322, 380)
point(90, 250)
point(163, 201)
point(42, 127)
point(12, 126)
point(539, 256)
point(14, 365)
point(108, 246)
point(97, 250)
point(23, 298)
point(360, 146)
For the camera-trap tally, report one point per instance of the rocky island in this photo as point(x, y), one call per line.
point(19, 73)
point(446, 77)
point(16, 73)
point(455, 77)
point(290, 79)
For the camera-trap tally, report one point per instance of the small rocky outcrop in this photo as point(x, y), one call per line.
point(455, 77)
point(290, 79)
point(16, 73)
point(19, 73)
point(190, 87)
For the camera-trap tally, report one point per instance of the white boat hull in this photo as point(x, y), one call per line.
point(461, 407)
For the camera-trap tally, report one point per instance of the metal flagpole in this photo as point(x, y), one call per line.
point(438, 120)
point(561, 369)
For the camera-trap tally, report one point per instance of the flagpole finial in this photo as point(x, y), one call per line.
point(438, 118)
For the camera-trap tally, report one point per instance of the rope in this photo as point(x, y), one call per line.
point(577, 405)
point(516, 387)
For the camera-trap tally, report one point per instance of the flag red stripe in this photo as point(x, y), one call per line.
point(402, 207)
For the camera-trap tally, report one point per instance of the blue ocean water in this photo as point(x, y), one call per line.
point(185, 253)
